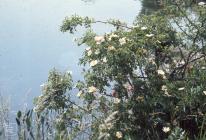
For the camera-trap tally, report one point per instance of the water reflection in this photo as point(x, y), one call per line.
point(31, 43)
point(149, 6)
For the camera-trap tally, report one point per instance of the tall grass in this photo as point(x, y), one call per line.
point(4, 117)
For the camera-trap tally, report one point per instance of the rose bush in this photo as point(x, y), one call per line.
point(145, 81)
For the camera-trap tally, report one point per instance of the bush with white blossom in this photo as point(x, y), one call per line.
point(141, 81)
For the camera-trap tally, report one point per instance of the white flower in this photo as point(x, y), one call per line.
point(203, 68)
point(41, 96)
point(110, 48)
point(164, 88)
point(99, 39)
point(104, 60)
point(89, 53)
point(93, 63)
point(42, 85)
point(92, 89)
point(143, 28)
point(130, 111)
point(182, 88)
point(204, 92)
point(149, 35)
point(109, 126)
point(102, 127)
point(152, 61)
point(88, 48)
point(140, 98)
point(167, 68)
point(160, 72)
point(175, 62)
point(108, 135)
point(105, 126)
point(179, 63)
point(122, 41)
point(35, 109)
point(112, 36)
point(119, 134)
point(117, 100)
point(182, 62)
point(136, 26)
point(79, 94)
point(97, 52)
point(165, 129)
point(201, 3)
point(69, 72)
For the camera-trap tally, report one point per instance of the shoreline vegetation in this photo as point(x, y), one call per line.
point(141, 82)
point(4, 116)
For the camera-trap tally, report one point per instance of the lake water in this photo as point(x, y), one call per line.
point(31, 43)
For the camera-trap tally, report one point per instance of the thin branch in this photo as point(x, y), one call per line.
point(107, 22)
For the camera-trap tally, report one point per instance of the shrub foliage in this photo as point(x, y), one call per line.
point(141, 81)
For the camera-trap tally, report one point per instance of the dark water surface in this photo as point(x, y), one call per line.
point(31, 43)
